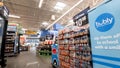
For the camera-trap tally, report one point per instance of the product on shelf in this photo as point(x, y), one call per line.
point(74, 48)
point(45, 46)
point(24, 48)
point(11, 41)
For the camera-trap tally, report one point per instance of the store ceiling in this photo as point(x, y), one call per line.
point(32, 16)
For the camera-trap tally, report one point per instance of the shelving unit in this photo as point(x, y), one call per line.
point(74, 48)
point(74, 43)
point(45, 46)
point(11, 44)
point(24, 48)
point(45, 49)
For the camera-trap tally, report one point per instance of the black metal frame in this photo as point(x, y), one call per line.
point(3, 61)
point(4, 12)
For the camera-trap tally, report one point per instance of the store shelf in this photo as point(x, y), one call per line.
point(24, 48)
point(11, 34)
point(10, 43)
point(76, 46)
point(45, 48)
point(9, 52)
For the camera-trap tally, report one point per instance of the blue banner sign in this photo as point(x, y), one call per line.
point(105, 34)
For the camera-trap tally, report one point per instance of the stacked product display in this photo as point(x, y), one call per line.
point(45, 46)
point(74, 48)
point(74, 43)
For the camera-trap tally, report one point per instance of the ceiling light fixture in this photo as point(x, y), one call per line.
point(45, 23)
point(71, 21)
point(24, 29)
point(59, 6)
point(40, 3)
point(14, 16)
point(53, 17)
point(65, 13)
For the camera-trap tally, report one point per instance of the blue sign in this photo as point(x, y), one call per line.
point(44, 33)
point(55, 58)
point(105, 34)
point(104, 22)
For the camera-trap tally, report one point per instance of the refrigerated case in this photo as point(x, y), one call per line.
point(3, 27)
point(11, 45)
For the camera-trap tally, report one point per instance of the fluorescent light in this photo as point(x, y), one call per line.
point(24, 29)
point(1, 18)
point(45, 23)
point(40, 3)
point(59, 6)
point(53, 17)
point(14, 16)
point(71, 21)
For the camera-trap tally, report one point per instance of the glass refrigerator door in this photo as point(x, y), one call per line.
point(1, 31)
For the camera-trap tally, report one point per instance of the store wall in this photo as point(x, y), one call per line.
point(105, 35)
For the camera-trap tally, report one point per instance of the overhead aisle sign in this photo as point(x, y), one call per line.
point(105, 34)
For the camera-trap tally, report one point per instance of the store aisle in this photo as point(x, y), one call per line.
point(28, 60)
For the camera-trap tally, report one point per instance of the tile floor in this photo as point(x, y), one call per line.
point(28, 60)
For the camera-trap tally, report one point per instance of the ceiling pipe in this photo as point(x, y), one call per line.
point(65, 13)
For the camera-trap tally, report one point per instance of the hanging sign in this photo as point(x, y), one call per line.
point(81, 18)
